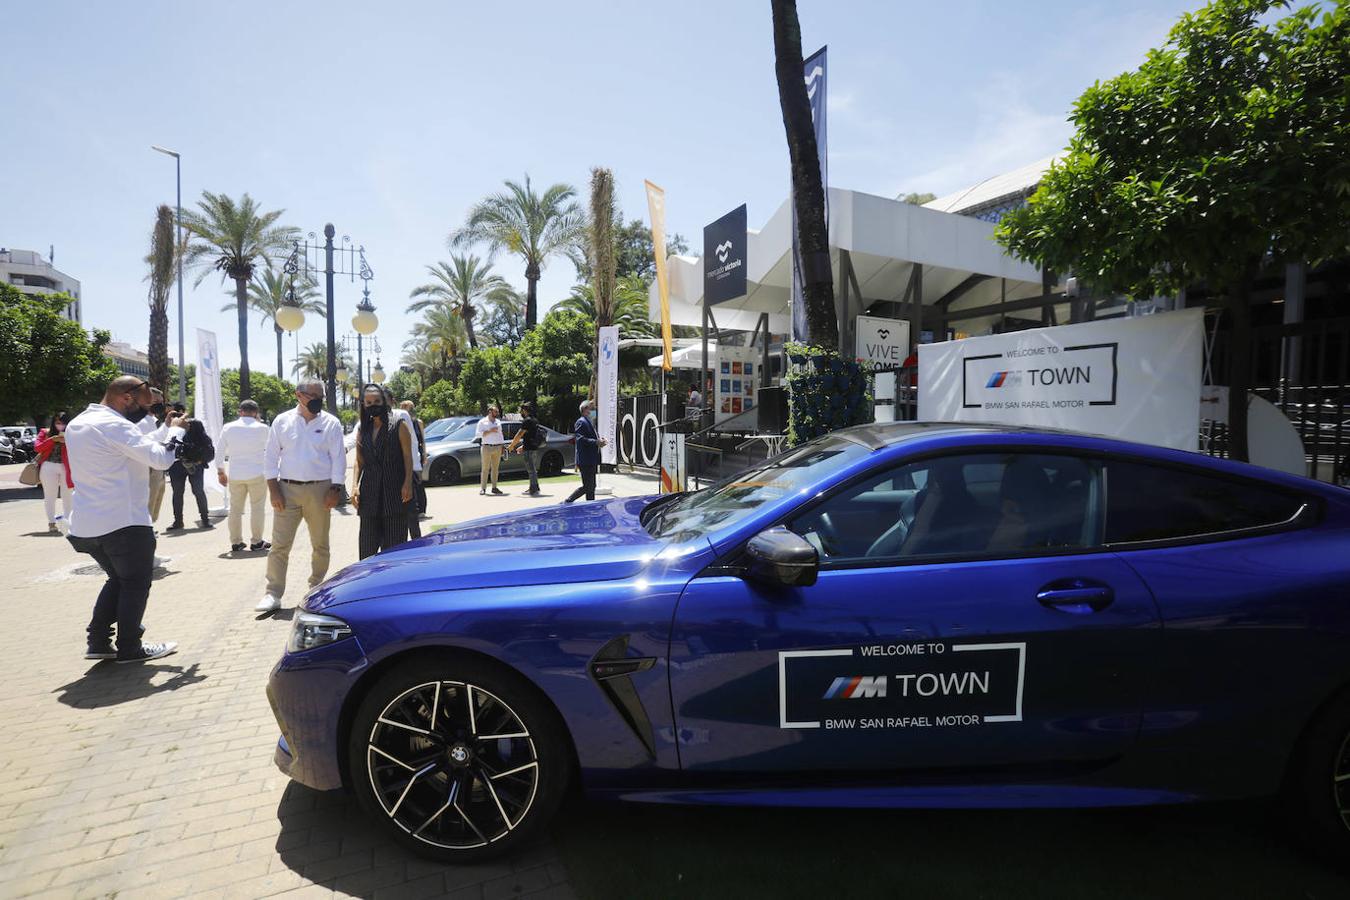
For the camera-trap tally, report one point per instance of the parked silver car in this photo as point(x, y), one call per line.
point(457, 455)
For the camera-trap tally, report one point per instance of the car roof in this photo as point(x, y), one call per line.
point(879, 435)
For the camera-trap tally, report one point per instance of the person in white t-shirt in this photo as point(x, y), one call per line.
point(242, 445)
point(109, 459)
point(492, 440)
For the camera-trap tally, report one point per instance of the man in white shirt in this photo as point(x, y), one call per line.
point(242, 444)
point(305, 465)
point(110, 459)
point(154, 426)
point(491, 441)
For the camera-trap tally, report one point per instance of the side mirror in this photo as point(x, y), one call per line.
point(778, 556)
point(478, 440)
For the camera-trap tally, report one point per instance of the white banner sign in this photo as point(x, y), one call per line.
point(206, 408)
point(735, 381)
point(883, 342)
point(672, 463)
point(607, 384)
point(1135, 379)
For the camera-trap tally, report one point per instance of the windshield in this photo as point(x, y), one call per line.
point(464, 432)
point(441, 426)
point(728, 501)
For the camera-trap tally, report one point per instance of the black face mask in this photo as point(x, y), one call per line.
point(136, 413)
point(371, 412)
point(315, 405)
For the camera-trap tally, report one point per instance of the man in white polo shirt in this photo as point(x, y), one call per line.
point(305, 465)
point(242, 444)
point(110, 459)
point(491, 442)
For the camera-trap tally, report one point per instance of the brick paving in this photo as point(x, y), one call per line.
point(157, 780)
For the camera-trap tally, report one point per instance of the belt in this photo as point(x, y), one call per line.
point(294, 481)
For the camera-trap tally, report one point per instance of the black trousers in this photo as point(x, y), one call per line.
point(127, 556)
point(420, 492)
point(179, 474)
point(416, 506)
point(382, 532)
point(587, 483)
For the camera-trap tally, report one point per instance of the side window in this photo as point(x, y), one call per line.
point(1150, 503)
point(976, 505)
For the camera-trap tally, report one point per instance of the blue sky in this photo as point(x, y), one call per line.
point(391, 119)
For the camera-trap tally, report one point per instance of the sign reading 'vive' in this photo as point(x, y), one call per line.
point(1135, 379)
point(724, 257)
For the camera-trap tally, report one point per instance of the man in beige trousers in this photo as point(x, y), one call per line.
point(305, 465)
point(241, 447)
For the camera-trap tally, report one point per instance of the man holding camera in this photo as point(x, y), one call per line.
point(305, 465)
point(110, 459)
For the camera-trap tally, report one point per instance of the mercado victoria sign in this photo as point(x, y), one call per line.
point(1134, 379)
point(724, 258)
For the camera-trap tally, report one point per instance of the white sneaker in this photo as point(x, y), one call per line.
point(268, 604)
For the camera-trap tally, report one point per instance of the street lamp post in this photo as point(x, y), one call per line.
point(178, 251)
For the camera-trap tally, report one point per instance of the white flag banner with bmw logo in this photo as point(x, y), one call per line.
point(206, 407)
point(1134, 379)
point(607, 384)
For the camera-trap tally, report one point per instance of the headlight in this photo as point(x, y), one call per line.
point(310, 630)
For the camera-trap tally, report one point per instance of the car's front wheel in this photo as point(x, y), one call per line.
point(551, 464)
point(458, 760)
point(1319, 784)
point(445, 470)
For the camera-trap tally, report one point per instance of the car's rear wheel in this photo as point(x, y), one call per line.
point(458, 760)
point(1319, 785)
point(551, 464)
point(445, 470)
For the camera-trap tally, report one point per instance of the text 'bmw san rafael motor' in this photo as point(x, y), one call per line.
point(893, 615)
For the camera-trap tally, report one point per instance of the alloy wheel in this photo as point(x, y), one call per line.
point(452, 765)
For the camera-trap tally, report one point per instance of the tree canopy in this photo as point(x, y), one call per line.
point(1230, 145)
point(47, 362)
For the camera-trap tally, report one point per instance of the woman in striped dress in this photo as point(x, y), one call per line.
point(383, 474)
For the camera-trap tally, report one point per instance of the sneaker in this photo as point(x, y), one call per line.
point(267, 604)
point(206, 523)
point(497, 492)
point(258, 545)
point(175, 526)
point(481, 492)
point(235, 548)
point(53, 528)
point(150, 651)
point(100, 653)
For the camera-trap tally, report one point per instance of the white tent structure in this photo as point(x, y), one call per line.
point(937, 267)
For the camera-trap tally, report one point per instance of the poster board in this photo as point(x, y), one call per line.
point(882, 342)
point(1134, 379)
point(735, 381)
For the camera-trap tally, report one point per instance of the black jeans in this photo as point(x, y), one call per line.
point(415, 507)
point(177, 475)
point(420, 492)
point(127, 555)
point(587, 483)
point(380, 533)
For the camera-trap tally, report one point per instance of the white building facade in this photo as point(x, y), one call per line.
point(32, 273)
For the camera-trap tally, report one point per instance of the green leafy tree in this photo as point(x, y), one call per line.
point(273, 395)
point(633, 252)
point(444, 398)
point(47, 363)
point(505, 323)
point(555, 358)
point(492, 375)
point(918, 199)
point(230, 238)
point(1228, 149)
point(162, 261)
point(533, 226)
point(460, 285)
point(442, 332)
point(808, 189)
point(267, 294)
point(630, 306)
point(404, 386)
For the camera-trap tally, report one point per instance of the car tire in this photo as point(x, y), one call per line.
point(442, 788)
point(1317, 792)
point(551, 464)
point(445, 471)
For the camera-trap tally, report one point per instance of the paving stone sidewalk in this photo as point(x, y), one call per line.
point(157, 780)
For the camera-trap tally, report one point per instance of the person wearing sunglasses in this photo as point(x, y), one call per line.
point(110, 459)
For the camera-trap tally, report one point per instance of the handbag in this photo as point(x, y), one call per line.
point(29, 475)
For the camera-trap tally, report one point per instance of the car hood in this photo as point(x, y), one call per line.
point(561, 544)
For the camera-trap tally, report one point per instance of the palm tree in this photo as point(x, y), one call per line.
point(161, 259)
point(459, 285)
point(506, 317)
point(533, 226)
point(267, 294)
point(630, 306)
point(423, 360)
point(230, 238)
point(442, 332)
point(312, 361)
point(808, 191)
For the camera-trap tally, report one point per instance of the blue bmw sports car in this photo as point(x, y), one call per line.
point(893, 615)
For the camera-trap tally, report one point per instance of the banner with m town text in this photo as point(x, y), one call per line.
point(1134, 379)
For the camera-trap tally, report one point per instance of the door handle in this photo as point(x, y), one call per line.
point(1076, 595)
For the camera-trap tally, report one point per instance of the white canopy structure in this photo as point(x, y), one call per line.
point(934, 263)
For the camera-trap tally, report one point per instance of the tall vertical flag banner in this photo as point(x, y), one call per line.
point(656, 207)
point(206, 406)
point(814, 71)
point(607, 385)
